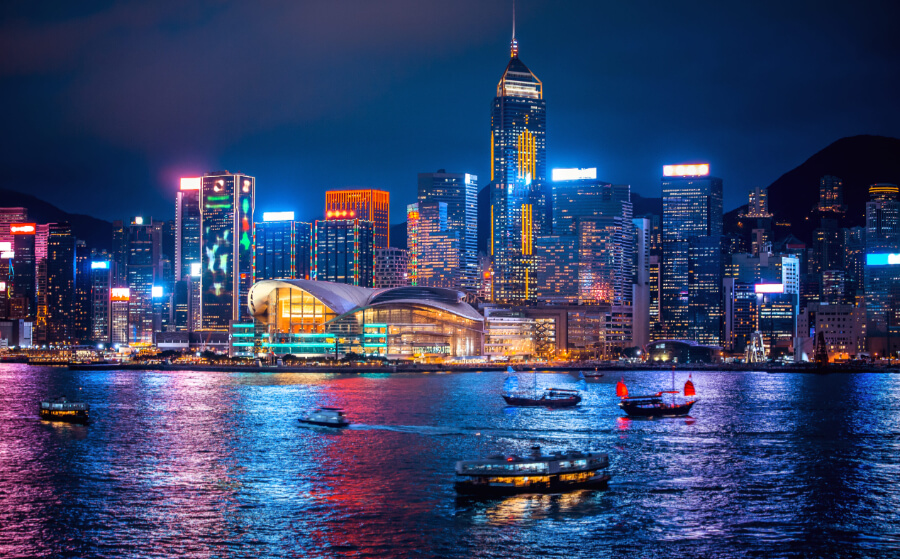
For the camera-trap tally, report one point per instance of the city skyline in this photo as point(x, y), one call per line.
point(728, 111)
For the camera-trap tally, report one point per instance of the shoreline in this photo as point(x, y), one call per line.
point(423, 368)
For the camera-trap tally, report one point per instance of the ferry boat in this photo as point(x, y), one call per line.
point(654, 405)
point(326, 417)
point(537, 473)
point(60, 409)
point(549, 398)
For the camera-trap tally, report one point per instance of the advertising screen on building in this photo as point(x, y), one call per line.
point(5, 246)
point(769, 288)
point(574, 174)
point(120, 294)
point(196, 269)
point(278, 216)
point(102, 265)
point(883, 259)
point(7, 255)
point(191, 183)
point(688, 170)
point(156, 291)
point(22, 228)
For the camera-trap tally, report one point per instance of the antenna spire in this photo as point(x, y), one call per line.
point(514, 45)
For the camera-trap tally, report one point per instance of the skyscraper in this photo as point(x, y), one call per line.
point(281, 247)
point(143, 248)
point(24, 273)
point(412, 242)
point(101, 286)
point(366, 204)
point(9, 216)
point(831, 195)
point(227, 203)
point(344, 251)
point(187, 226)
point(520, 202)
point(459, 191)
point(882, 273)
point(81, 320)
point(60, 296)
point(391, 267)
point(691, 267)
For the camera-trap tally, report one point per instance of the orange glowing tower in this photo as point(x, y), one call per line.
point(367, 204)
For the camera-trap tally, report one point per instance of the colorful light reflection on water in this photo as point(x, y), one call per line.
point(198, 464)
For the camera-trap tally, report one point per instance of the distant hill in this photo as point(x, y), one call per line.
point(95, 232)
point(859, 161)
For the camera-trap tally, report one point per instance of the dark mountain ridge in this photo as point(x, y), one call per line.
point(95, 232)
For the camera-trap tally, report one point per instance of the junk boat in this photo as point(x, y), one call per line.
point(511, 475)
point(326, 417)
point(549, 398)
point(655, 405)
point(60, 409)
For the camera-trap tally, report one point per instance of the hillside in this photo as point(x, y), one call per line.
point(95, 232)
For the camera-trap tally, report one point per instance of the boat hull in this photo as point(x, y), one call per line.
point(542, 402)
point(80, 417)
point(470, 489)
point(324, 424)
point(633, 409)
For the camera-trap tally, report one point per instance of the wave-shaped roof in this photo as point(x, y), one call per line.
point(343, 298)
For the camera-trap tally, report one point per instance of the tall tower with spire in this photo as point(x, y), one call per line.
point(520, 201)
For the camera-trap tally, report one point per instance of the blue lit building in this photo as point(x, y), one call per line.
point(344, 251)
point(227, 203)
point(882, 270)
point(282, 247)
point(691, 268)
point(458, 193)
point(520, 200)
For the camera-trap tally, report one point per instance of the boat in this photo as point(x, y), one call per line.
point(326, 417)
point(60, 409)
point(558, 472)
point(590, 376)
point(656, 405)
point(549, 398)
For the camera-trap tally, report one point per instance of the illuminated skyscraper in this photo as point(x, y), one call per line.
point(282, 247)
point(831, 195)
point(60, 296)
point(7, 217)
point(344, 251)
point(187, 226)
point(81, 321)
point(143, 249)
point(391, 267)
point(412, 242)
point(520, 202)
point(227, 202)
point(692, 266)
point(24, 270)
point(882, 274)
point(101, 286)
point(459, 191)
point(367, 204)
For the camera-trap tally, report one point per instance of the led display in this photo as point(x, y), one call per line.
point(278, 216)
point(689, 170)
point(769, 288)
point(574, 174)
point(156, 291)
point(883, 259)
point(22, 228)
point(7, 255)
point(119, 294)
point(103, 265)
point(191, 183)
point(5, 247)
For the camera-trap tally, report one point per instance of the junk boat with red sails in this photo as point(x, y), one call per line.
point(549, 398)
point(664, 403)
point(557, 472)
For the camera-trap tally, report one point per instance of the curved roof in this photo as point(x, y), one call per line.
point(343, 298)
point(339, 297)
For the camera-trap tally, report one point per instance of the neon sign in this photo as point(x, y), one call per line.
point(689, 170)
point(22, 228)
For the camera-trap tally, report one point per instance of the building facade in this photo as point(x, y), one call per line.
point(227, 203)
point(459, 193)
point(344, 251)
point(882, 271)
point(391, 267)
point(282, 247)
point(365, 204)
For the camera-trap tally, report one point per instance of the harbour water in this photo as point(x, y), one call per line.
point(200, 464)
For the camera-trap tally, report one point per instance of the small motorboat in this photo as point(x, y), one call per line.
point(590, 376)
point(326, 417)
point(655, 405)
point(60, 409)
point(538, 473)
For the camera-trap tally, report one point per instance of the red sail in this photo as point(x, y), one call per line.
point(621, 389)
point(689, 388)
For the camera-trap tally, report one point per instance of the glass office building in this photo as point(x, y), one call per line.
point(520, 201)
point(459, 193)
point(344, 251)
point(691, 233)
point(227, 203)
point(282, 247)
point(366, 204)
point(882, 271)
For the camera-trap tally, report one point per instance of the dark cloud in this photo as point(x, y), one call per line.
point(107, 104)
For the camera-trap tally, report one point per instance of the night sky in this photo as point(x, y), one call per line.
point(106, 104)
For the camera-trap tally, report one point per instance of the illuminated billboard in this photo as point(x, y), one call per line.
point(769, 288)
point(688, 170)
point(156, 291)
point(119, 294)
point(574, 174)
point(278, 216)
point(5, 246)
point(191, 183)
point(7, 255)
point(2, 286)
point(102, 265)
point(338, 214)
point(883, 259)
point(22, 228)
point(138, 220)
point(196, 269)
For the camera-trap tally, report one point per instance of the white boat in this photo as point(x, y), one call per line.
point(326, 417)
